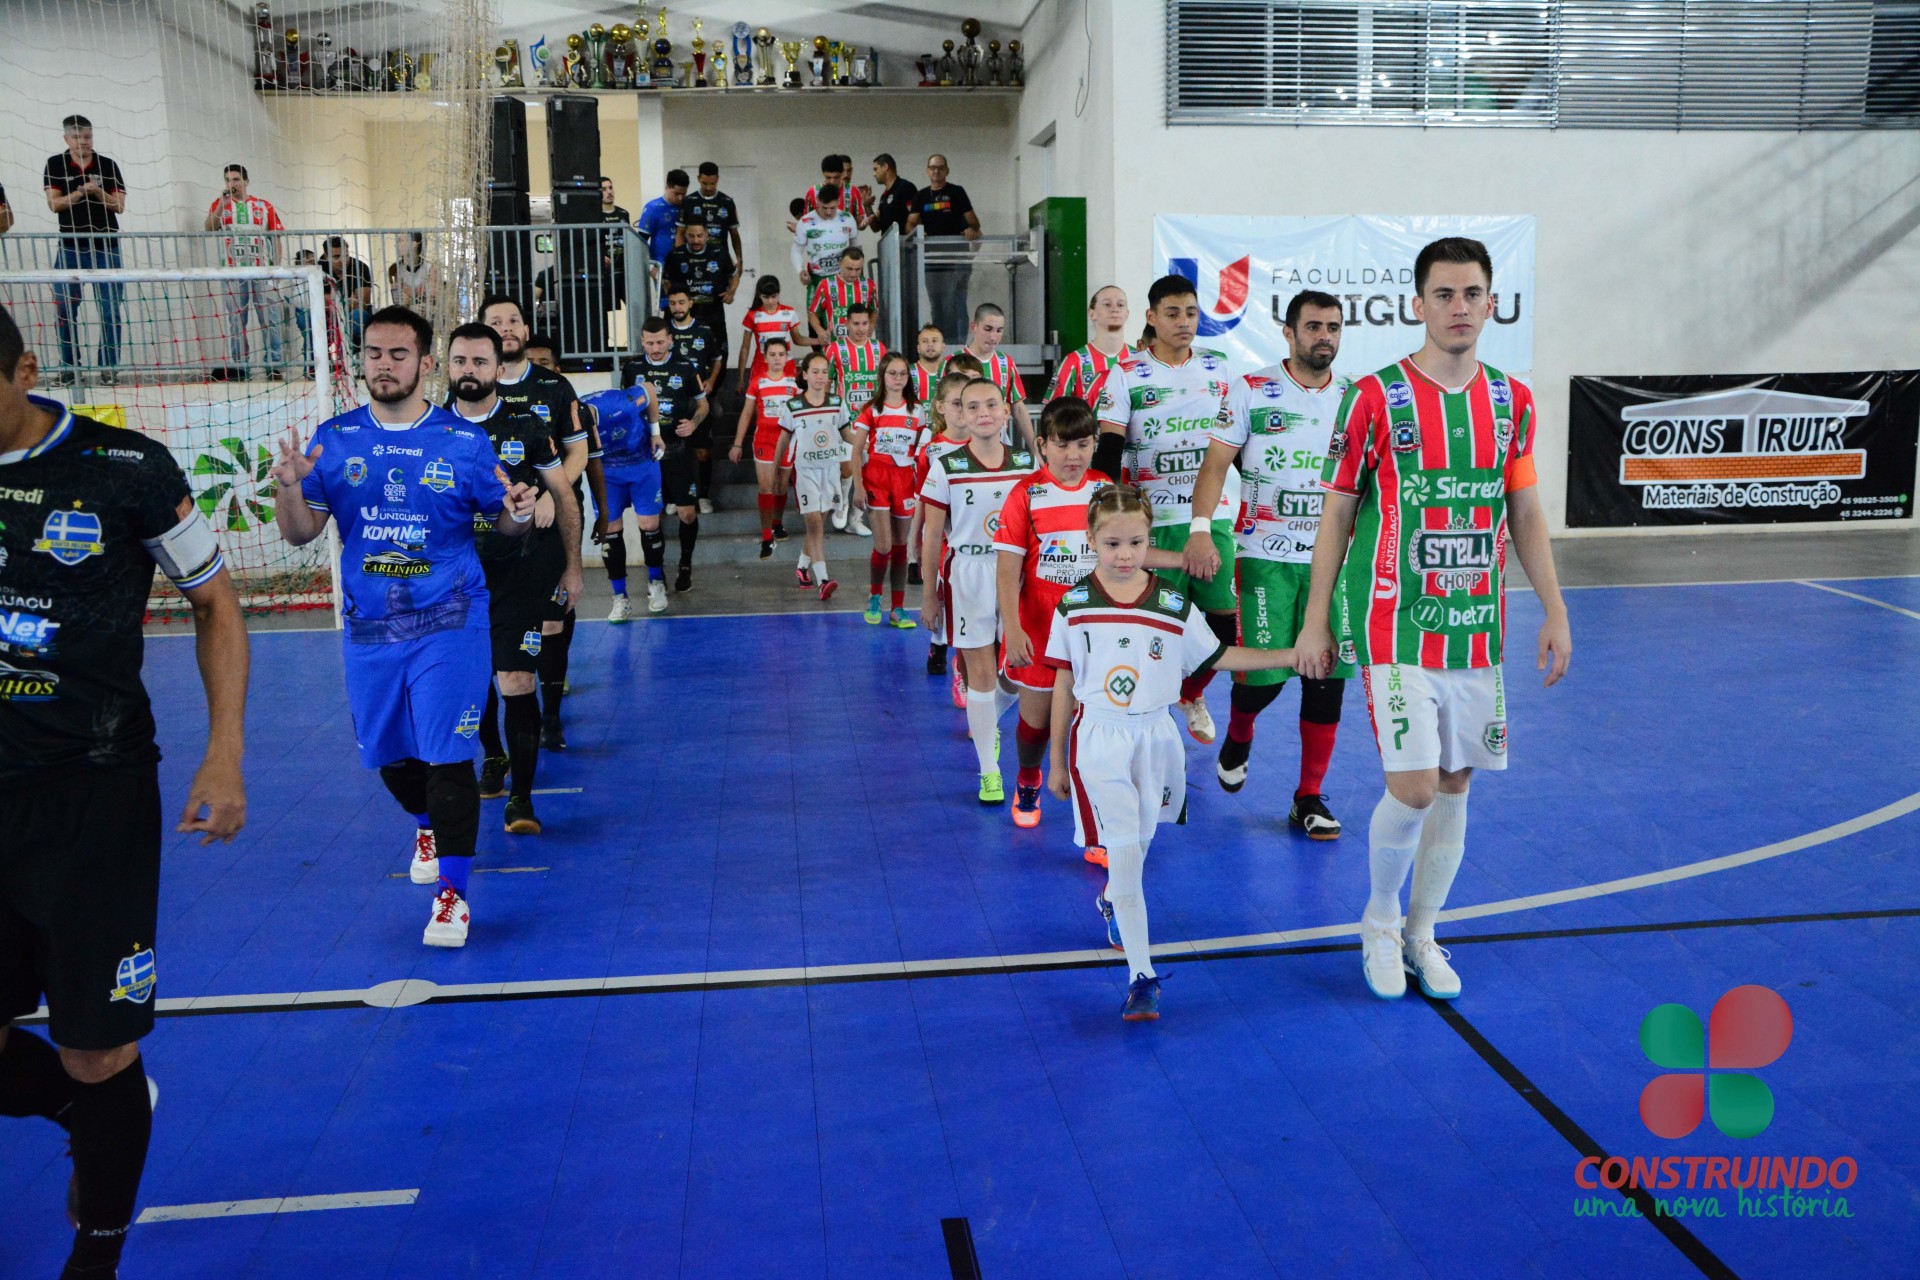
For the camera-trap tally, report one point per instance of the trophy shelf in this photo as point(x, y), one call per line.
point(740, 91)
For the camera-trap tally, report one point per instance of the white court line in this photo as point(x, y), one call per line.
point(279, 1204)
point(1821, 586)
point(558, 791)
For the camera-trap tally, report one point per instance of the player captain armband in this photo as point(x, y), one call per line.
point(1200, 524)
point(188, 553)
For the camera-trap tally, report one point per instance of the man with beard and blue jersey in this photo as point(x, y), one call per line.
point(405, 480)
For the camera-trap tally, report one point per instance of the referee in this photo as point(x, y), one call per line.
point(86, 512)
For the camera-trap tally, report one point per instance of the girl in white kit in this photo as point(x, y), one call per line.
point(815, 425)
point(1120, 646)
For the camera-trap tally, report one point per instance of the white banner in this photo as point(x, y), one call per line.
point(1248, 268)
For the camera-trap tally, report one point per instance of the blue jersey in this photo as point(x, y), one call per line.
point(626, 431)
point(659, 223)
point(405, 500)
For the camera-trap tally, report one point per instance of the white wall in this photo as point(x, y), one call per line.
point(1659, 252)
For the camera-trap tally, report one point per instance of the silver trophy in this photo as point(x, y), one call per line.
point(266, 63)
point(763, 43)
point(995, 67)
point(970, 54)
point(1016, 65)
point(325, 62)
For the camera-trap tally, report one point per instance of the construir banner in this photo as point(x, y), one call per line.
point(1742, 449)
point(1247, 269)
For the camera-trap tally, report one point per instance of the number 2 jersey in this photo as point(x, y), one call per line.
point(1281, 429)
point(1129, 659)
point(972, 494)
point(1171, 413)
point(1423, 582)
point(405, 499)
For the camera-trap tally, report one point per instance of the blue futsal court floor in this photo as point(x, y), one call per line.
point(775, 997)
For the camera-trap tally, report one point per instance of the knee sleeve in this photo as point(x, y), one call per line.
point(613, 554)
point(1319, 700)
point(407, 783)
point(653, 546)
point(453, 805)
point(1225, 627)
point(1252, 699)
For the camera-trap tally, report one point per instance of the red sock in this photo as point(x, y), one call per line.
point(1316, 750)
point(1027, 777)
point(1193, 686)
point(766, 515)
point(1240, 726)
point(780, 505)
point(897, 573)
point(876, 571)
point(1030, 742)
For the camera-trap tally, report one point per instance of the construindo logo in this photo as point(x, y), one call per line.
point(1230, 299)
point(1749, 1028)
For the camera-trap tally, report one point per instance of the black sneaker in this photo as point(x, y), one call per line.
point(779, 533)
point(936, 660)
point(913, 574)
point(493, 777)
point(683, 581)
point(1232, 768)
point(1310, 814)
point(766, 548)
point(552, 736)
point(520, 819)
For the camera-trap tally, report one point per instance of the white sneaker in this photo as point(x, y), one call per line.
point(859, 526)
point(447, 926)
point(1427, 960)
point(839, 517)
point(656, 596)
point(426, 858)
point(706, 507)
point(1380, 959)
point(622, 610)
point(1199, 720)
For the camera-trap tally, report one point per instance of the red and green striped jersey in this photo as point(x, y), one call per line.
point(856, 371)
point(924, 382)
point(1423, 580)
point(1082, 374)
point(1001, 373)
point(832, 297)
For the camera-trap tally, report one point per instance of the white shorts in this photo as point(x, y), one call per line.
point(1129, 775)
point(1425, 718)
point(816, 489)
point(970, 600)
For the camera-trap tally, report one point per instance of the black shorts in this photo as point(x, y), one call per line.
point(79, 895)
point(520, 598)
point(680, 471)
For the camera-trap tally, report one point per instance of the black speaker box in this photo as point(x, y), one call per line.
point(508, 206)
point(573, 139)
point(507, 156)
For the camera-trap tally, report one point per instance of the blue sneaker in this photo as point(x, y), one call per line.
point(1143, 999)
point(1113, 927)
point(874, 611)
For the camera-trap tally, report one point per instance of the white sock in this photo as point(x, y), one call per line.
point(804, 562)
point(1443, 842)
point(820, 573)
point(1125, 862)
point(981, 724)
point(1392, 838)
point(1002, 700)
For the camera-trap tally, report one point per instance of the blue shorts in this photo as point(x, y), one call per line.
point(637, 487)
point(419, 699)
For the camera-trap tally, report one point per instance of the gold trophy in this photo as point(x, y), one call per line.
point(763, 41)
point(573, 64)
point(721, 72)
point(423, 76)
point(699, 63)
point(597, 77)
point(506, 60)
point(622, 56)
point(790, 52)
point(948, 68)
point(291, 78)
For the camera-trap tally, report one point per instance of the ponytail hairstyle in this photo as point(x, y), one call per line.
point(1111, 500)
point(765, 287)
point(880, 377)
point(952, 379)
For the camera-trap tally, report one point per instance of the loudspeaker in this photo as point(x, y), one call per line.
point(573, 140)
point(575, 203)
point(508, 206)
point(579, 236)
point(507, 156)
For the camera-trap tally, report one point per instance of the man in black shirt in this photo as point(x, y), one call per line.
point(525, 387)
point(530, 580)
point(703, 267)
point(679, 388)
point(85, 191)
point(350, 284)
point(694, 342)
point(86, 513)
point(942, 209)
point(895, 204)
point(716, 208)
point(614, 260)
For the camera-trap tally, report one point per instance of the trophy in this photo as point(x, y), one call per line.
point(970, 55)
point(423, 74)
point(597, 77)
point(763, 41)
point(924, 65)
point(622, 56)
point(836, 63)
point(995, 68)
point(722, 74)
point(698, 79)
point(324, 61)
point(506, 61)
point(405, 78)
point(663, 68)
point(266, 67)
point(862, 69)
point(353, 71)
point(790, 53)
point(290, 76)
point(1016, 65)
point(817, 64)
point(949, 70)
point(743, 43)
point(538, 57)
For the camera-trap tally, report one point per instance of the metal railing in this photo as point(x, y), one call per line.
point(941, 279)
point(579, 285)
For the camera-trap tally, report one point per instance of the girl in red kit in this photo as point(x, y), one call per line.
point(891, 425)
point(772, 385)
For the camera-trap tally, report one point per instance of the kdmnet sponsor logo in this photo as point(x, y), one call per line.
point(1709, 1075)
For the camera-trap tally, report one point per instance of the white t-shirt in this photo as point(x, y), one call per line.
point(972, 493)
point(1281, 429)
point(1171, 413)
point(1130, 659)
point(817, 442)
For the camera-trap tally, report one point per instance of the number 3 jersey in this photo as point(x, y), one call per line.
point(405, 498)
point(1171, 413)
point(1281, 429)
point(1432, 468)
point(1129, 659)
point(972, 494)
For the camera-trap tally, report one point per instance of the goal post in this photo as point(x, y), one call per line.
point(220, 365)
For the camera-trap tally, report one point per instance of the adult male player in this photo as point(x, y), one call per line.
point(526, 387)
point(86, 512)
point(1158, 411)
point(630, 450)
point(832, 298)
point(406, 480)
point(856, 380)
point(1430, 463)
point(1278, 423)
point(696, 342)
point(678, 387)
point(530, 579)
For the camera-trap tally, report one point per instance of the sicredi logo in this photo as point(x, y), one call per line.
point(1749, 1028)
point(1748, 434)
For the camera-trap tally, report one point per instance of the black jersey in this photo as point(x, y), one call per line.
point(75, 511)
point(677, 385)
point(695, 345)
point(549, 397)
point(718, 211)
point(524, 445)
point(705, 274)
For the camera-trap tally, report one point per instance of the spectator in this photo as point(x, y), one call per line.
point(250, 223)
point(87, 194)
point(413, 281)
point(660, 220)
point(351, 285)
point(303, 314)
point(896, 197)
point(614, 260)
point(717, 209)
point(941, 209)
point(6, 213)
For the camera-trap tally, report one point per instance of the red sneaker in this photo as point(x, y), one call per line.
point(827, 589)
